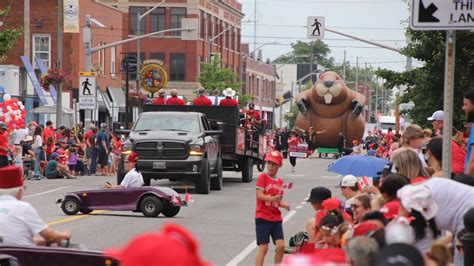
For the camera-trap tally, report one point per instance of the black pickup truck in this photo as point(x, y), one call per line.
point(176, 146)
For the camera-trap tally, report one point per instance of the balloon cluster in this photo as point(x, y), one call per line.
point(12, 112)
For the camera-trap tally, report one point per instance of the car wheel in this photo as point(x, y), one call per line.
point(151, 206)
point(169, 210)
point(85, 211)
point(202, 183)
point(71, 206)
point(247, 169)
point(216, 182)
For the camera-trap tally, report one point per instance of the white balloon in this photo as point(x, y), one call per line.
point(9, 108)
point(22, 107)
point(7, 97)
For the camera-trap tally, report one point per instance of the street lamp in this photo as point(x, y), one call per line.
point(139, 18)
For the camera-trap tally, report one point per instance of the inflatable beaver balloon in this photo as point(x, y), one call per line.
point(332, 107)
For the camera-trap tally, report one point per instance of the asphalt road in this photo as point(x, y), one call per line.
point(222, 222)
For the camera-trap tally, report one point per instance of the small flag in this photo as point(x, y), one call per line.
point(188, 198)
point(365, 181)
point(290, 185)
point(175, 201)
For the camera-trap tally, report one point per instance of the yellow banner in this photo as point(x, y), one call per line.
point(71, 16)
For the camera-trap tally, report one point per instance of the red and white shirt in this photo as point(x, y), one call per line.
point(271, 187)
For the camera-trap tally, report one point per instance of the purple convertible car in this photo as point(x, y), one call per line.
point(151, 201)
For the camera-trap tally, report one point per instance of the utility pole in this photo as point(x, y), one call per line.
point(59, 63)
point(255, 28)
point(357, 74)
point(26, 25)
point(344, 66)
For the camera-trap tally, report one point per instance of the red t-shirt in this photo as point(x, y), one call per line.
point(228, 102)
point(3, 143)
point(293, 144)
point(458, 157)
point(271, 187)
point(159, 101)
point(88, 135)
point(202, 101)
point(174, 100)
point(47, 132)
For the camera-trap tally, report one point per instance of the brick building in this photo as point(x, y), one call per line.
point(43, 44)
point(258, 80)
point(182, 58)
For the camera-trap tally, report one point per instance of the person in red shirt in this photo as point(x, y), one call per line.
point(253, 117)
point(160, 100)
point(268, 218)
point(228, 101)
point(48, 131)
point(174, 100)
point(293, 141)
point(201, 99)
point(3, 145)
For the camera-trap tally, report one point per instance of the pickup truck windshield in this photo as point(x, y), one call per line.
point(163, 122)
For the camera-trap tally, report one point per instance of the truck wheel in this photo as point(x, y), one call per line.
point(71, 206)
point(202, 182)
point(216, 182)
point(85, 210)
point(169, 210)
point(247, 169)
point(261, 166)
point(151, 206)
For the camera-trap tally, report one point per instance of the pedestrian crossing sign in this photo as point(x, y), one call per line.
point(315, 28)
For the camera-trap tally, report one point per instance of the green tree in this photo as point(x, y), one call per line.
point(213, 77)
point(425, 85)
point(302, 53)
point(8, 37)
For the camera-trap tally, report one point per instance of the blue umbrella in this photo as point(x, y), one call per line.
point(358, 165)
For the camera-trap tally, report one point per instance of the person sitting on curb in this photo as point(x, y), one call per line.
point(316, 198)
point(133, 178)
point(55, 170)
point(19, 221)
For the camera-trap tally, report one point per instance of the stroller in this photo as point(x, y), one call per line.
point(28, 167)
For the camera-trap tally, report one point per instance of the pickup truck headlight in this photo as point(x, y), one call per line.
point(195, 150)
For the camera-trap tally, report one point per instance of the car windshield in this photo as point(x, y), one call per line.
point(165, 122)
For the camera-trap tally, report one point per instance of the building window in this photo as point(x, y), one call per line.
point(209, 26)
point(177, 67)
point(177, 13)
point(134, 10)
point(42, 48)
point(112, 61)
point(158, 20)
point(158, 56)
point(226, 36)
point(202, 26)
point(216, 27)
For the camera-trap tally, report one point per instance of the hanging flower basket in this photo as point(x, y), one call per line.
point(136, 99)
point(54, 76)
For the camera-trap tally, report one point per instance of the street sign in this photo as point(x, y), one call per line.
point(315, 28)
point(87, 91)
point(129, 63)
point(442, 15)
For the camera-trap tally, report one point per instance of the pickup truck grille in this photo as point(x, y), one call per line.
point(161, 150)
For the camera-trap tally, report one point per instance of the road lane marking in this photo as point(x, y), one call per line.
point(45, 192)
point(294, 175)
point(81, 216)
point(242, 255)
point(299, 207)
point(303, 202)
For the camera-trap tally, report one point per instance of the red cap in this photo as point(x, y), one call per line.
point(172, 246)
point(364, 228)
point(331, 204)
point(275, 157)
point(10, 177)
point(133, 157)
point(390, 209)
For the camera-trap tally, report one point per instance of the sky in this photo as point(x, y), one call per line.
point(284, 21)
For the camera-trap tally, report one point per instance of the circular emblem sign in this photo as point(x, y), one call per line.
point(71, 12)
point(153, 76)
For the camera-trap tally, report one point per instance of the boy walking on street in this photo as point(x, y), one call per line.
point(268, 220)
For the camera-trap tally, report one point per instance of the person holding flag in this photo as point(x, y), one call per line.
point(268, 219)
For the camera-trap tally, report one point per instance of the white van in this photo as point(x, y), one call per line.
point(389, 121)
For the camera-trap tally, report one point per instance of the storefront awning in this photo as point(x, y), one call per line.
point(118, 97)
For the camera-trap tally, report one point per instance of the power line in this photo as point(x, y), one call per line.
point(325, 39)
point(304, 26)
point(334, 2)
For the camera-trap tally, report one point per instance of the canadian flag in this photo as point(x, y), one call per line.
point(288, 186)
point(363, 183)
point(188, 198)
